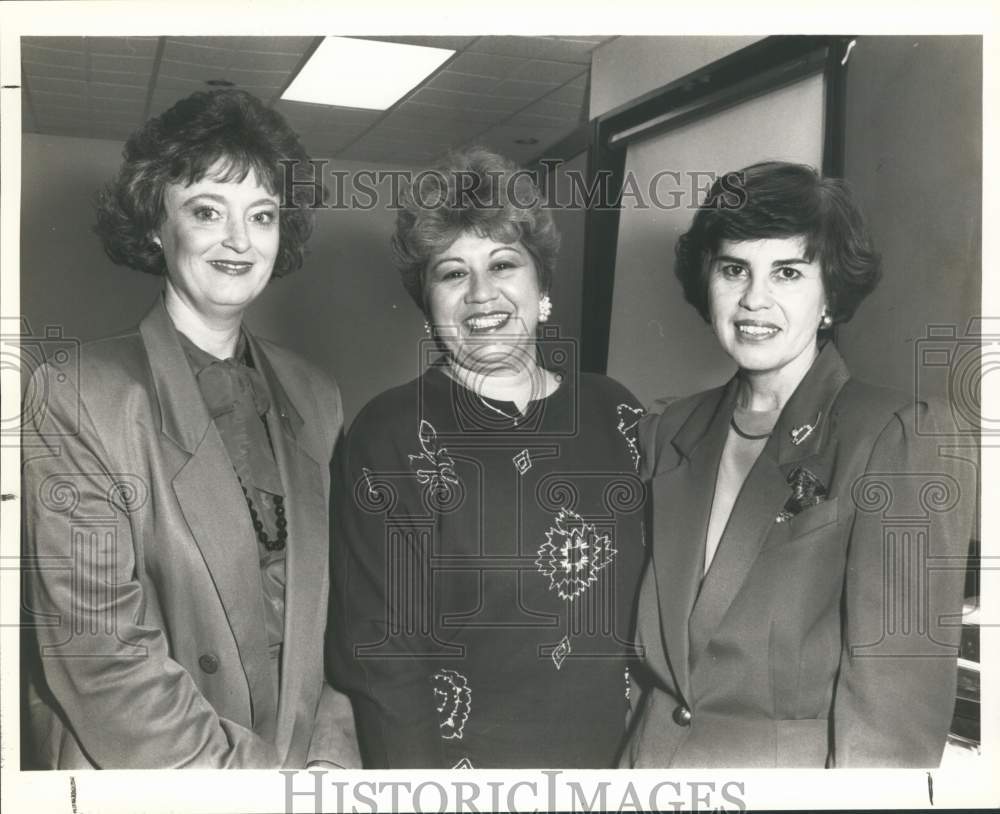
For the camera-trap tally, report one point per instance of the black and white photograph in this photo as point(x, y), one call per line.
point(422, 409)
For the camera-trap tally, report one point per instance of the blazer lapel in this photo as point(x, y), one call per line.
point(306, 559)
point(800, 438)
point(682, 500)
point(212, 504)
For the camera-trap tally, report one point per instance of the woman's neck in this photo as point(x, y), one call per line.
point(215, 335)
point(519, 386)
point(763, 391)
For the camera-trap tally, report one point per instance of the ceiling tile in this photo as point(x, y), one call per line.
point(256, 61)
point(70, 86)
point(492, 65)
point(124, 64)
point(536, 121)
point(465, 101)
point(503, 139)
point(259, 79)
point(171, 69)
point(557, 72)
point(464, 82)
point(43, 100)
point(554, 110)
point(554, 48)
point(570, 94)
point(140, 78)
point(109, 91)
point(64, 117)
point(131, 107)
point(69, 57)
point(445, 114)
point(405, 121)
point(526, 91)
point(308, 115)
point(32, 70)
point(178, 85)
point(295, 46)
point(188, 52)
point(122, 46)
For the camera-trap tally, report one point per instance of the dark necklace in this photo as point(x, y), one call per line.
point(748, 436)
point(279, 521)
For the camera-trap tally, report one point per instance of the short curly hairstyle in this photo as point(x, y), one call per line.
point(777, 199)
point(182, 145)
point(471, 190)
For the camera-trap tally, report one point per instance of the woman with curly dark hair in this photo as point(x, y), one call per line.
point(488, 515)
point(185, 482)
point(791, 614)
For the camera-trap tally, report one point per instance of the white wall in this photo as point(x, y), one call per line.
point(345, 310)
point(627, 67)
point(913, 155)
point(659, 344)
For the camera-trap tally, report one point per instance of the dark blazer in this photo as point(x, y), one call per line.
point(827, 639)
point(143, 586)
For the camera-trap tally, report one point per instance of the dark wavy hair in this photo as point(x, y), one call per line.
point(471, 190)
point(776, 199)
point(230, 127)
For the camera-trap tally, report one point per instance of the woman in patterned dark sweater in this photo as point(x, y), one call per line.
point(488, 533)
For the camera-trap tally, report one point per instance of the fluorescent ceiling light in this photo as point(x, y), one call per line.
point(363, 73)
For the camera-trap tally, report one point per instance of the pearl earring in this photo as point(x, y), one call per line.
point(427, 328)
point(544, 308)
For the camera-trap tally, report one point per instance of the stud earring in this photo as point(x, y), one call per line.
point(544, 308)
point(427, 328)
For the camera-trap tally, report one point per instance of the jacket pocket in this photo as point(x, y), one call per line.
point(811, 519)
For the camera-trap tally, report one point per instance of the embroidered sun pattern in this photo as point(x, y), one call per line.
point(453, 699)
point(443, 466)
point(573, 554)
point(628, 426)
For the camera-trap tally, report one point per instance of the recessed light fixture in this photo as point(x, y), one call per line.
point(369, 74)
point(529, 140)
point(220, 83)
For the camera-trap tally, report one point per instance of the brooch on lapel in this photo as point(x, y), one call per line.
point(800, 434)
point(807, 490)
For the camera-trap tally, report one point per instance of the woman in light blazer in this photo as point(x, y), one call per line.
point(176, 481)
point(802, 603)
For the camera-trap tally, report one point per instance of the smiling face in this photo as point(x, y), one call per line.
point(766, 301)
point(220, 240)
point(482, 296)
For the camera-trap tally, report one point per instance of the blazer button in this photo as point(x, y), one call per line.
point(210, 664)
point(682, 716)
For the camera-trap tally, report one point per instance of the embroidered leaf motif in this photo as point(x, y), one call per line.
point(628, 426)
point(443, 466)
point(453, 699)
point(560, 651)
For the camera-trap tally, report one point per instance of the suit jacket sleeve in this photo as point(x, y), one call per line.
point(895, 692)
point(334, 738)
point(378, 663)
point(127, 702)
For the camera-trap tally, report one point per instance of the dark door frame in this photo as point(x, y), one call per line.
point(753, 71)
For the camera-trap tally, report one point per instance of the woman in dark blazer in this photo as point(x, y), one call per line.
point(176, 481)
point(802, 603)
